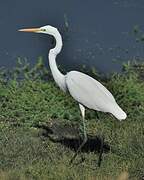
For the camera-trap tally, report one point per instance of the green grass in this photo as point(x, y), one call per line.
point(27, 103)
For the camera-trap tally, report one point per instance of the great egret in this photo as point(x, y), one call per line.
point(87, 91)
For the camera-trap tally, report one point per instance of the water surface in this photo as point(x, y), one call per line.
point(99, 31)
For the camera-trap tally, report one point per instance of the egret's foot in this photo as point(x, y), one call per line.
point(79, 149)
point(101, 152)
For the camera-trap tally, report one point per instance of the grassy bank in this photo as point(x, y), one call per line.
point(40, 127)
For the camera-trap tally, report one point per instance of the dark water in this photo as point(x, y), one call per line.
point(99, 31)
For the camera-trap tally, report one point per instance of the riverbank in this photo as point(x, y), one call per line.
point(40, 127)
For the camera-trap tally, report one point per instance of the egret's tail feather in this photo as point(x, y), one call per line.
point(119, 113)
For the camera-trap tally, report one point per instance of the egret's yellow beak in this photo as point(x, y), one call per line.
point(30, 30)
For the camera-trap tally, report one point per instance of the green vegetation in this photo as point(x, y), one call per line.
point(29, 99)
point(139, 33)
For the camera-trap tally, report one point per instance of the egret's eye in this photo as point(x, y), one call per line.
point(44, 29)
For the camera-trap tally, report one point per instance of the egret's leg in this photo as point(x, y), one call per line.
point(82, 108)
point(101, 151)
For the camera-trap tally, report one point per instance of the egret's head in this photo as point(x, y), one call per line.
point(44, 29)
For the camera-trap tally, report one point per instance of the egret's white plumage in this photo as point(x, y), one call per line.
point(92, 94)
point(87, 91)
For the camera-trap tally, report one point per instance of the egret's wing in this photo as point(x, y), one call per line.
point(92, 94)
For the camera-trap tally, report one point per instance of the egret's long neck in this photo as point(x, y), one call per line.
point(57, 75)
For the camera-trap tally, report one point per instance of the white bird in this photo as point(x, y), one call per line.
point(88, 92)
